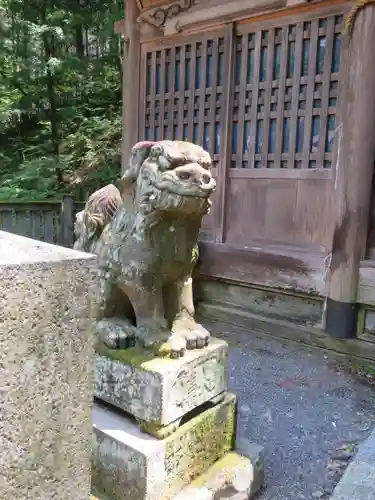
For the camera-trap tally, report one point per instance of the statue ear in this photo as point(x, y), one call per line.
point(140, 152)
point(78, 223)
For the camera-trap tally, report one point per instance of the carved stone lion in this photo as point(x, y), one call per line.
point(147, 247)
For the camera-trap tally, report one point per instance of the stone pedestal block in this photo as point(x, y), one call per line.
point(239, 475)
point(157, 390)
point(46, 383)
point(131, 465)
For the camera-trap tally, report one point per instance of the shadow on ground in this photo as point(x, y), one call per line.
point(308, 415)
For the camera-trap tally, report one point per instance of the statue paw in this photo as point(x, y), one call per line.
point(174, 347)
point(116, 333)
point(198, 338)
point(149, 336)
point(195, 335)
point(161, 341)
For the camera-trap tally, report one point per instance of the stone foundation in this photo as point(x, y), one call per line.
point(131, 465)
point(190, 423)
point(238, 475)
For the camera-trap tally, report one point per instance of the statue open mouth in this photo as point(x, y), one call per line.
point(189, 192)
point(190, 180)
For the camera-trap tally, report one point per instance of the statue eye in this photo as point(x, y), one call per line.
point(184, 176)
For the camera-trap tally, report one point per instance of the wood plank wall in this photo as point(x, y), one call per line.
point(48, 221)
point(263, 98)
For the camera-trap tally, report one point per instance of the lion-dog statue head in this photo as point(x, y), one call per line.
point(170, 176)
point(147, 246)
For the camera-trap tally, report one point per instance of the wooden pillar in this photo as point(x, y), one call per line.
point(226, 127)
point(131, 80)
point(354, 171)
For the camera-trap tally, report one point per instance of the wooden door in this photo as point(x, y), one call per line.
point(262, 98)
point(284, 107)
point(183, 96)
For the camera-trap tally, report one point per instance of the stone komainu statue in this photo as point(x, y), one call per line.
point(147, 247)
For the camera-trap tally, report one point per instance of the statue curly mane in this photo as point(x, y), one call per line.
point(98, 212)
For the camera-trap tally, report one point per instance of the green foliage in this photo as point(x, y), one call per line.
point(60, 96)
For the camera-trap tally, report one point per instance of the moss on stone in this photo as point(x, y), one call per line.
point(163, 350)
point(134, 356)
point(199, 443)
point(158, 430)
point(230, 460)
point(227, 466)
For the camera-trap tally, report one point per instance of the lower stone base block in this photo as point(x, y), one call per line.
point(239, 475)
point(128, 464)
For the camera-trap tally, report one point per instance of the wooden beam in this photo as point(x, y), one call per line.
point(354, 172)
point(131, 80)
point(221, 14)
point(366, 287)
point(226, 127)
point(226, 317)
point(280, 268)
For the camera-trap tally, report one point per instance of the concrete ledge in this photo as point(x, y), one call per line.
point(47, 315)
point(358, 481)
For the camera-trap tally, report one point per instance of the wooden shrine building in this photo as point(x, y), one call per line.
point(285, 103)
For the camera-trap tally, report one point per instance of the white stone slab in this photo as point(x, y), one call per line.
point(124, 431)
point(17, 250)
point(161, 390)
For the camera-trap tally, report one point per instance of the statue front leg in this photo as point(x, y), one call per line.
point(116, 332)
point(179, 298)
point(152, 328)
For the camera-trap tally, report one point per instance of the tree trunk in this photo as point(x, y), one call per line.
point(50, 51)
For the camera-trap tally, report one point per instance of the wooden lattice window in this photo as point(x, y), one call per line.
point(285, 95)
point(183, 93)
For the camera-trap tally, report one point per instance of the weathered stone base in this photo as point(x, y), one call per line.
point(156, 390)
point(239, 475)
point(128, 464)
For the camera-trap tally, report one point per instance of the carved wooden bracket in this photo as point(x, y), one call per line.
point(220, 13)
point(158, 16)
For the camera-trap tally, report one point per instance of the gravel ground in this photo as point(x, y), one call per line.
point(308, 415)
